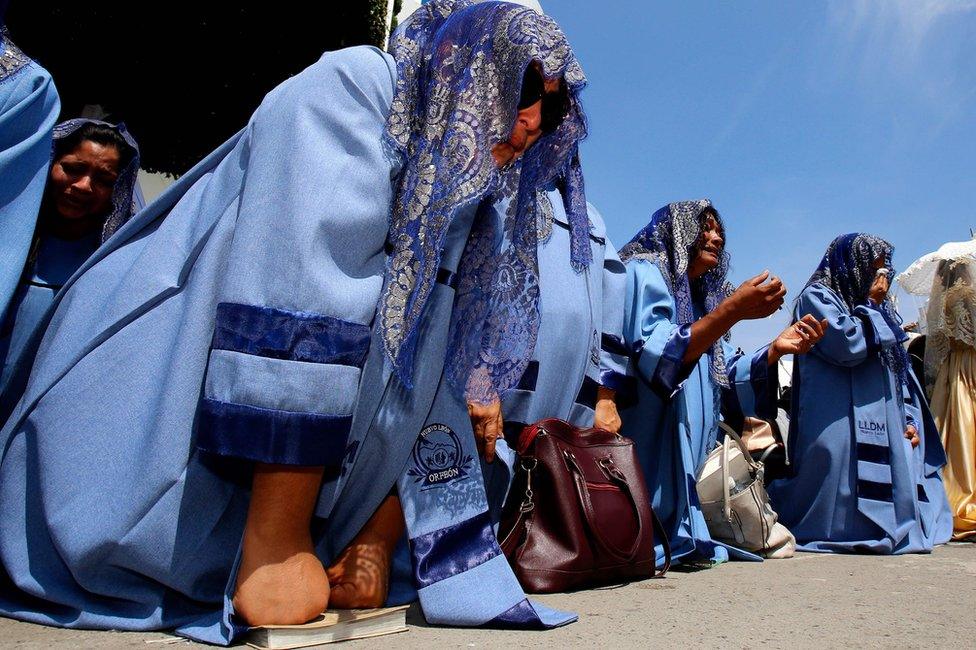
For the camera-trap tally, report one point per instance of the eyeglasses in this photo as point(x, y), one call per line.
point(555, 105)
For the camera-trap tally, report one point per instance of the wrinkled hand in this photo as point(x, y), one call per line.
point(757, 297)
point(486, 419)
point(605, 414)
point(799, 337)
point(911, 435)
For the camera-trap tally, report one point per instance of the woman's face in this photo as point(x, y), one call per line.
point(81, 181)
point(527, 130)
point(709, 248)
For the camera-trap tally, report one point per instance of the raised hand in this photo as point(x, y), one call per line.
point(911, 435)
point(879, 287)
point(799, 337)
point(757, 297)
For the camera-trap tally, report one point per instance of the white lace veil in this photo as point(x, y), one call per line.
point(951, 317)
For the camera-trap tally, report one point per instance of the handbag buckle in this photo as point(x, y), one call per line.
point(610, 469)
point(528, 505)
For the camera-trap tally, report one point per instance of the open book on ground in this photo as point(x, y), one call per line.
point(332, 626)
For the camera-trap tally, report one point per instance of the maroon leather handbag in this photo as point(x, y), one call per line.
point(579, 514)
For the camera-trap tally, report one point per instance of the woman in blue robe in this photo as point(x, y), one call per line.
point(577, 351)
point(88, 196)
point(578, 362)
point(678, 311)
point(29, 107)
point(865, 454)
point(315, 298)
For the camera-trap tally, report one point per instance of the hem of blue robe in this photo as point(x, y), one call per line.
point(272, 436)
point(866, 547)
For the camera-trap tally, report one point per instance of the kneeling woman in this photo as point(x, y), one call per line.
point(677, 315)
point(88, 196)
point(865, 452)
point(262, 376)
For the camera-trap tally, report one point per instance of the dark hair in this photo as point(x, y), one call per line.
point(100, 133)
point(713, 213)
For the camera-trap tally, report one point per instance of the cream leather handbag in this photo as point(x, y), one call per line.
point(735, 503)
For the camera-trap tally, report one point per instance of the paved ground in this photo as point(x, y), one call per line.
point(811, 601)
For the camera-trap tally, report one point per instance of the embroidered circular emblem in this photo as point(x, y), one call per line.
point(437, 456)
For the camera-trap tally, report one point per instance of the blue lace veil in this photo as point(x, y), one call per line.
point(669, 241)
point(122, 203)
point(459, 71)
point(847, 268)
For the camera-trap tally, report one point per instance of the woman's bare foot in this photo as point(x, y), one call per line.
point(281, 581)
point(360, 577)
point(280, 586)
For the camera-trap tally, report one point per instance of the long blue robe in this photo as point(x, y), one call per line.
point(674, 419)
point(579, 344)
point(55, 262)
point(857, 484)
point(29, 107)
point(578, 348)
point(229, 320)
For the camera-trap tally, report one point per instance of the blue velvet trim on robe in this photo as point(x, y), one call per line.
point(530, 377)
point(615, 345)
point(296, 336)
point(762, 387)
point(511, 431)
point(671, 369)
point(618, 382)
point(446, 552)
point(615, 381)
point(520, 616)
point(875, 491)
point(920, 490)
point(272, 436)
point(588, 393)
point(879, 454)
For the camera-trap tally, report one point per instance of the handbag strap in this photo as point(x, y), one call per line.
point(510, 542)
point(726, 491)
point(735, 436)
point(663, 536)
point(590, 512)
point(527, 437)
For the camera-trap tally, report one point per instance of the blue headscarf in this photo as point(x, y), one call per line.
point(459, 72)
point(670, 241)
point(12, 59)
point(123, 206)
point(847, 268)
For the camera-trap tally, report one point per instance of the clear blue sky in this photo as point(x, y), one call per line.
point(799, 120)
